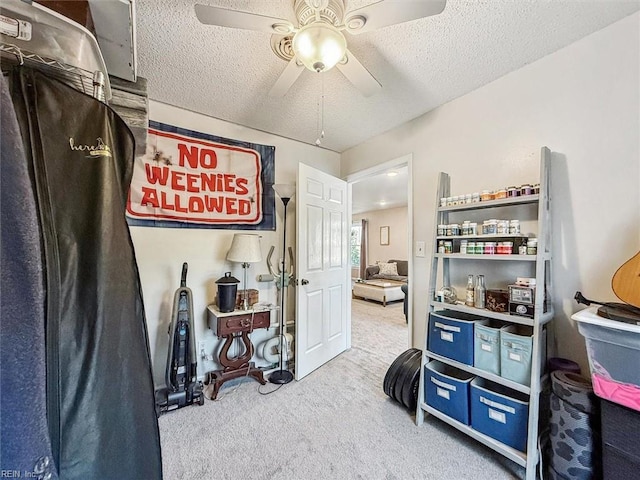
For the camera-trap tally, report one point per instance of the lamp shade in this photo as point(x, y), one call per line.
point(284, 190)
point(319, 46)
point(245, 248)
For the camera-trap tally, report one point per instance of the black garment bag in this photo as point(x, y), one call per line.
point(100, 400)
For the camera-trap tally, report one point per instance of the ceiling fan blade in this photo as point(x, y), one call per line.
point(223, 17)
point(359, 76)
point(286, 79)
point(385, 13)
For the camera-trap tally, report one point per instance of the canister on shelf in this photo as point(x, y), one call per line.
point(448, 246)
point(468, 198)
point(507, 248)
point(479, 248)
point(501, 193)
point(513, 192)
point(473, 228)
point(526, 189)
point(502, 227)
point(443, 202)
point(442, 230)
point(489, 248)
point(490, 227)
point(449, 201)
point(514, 227)
point(532, 246)
point(456, 200)
point(475, 197)
point(463, 247)
point(453, 229)
point(471, 248)
point(441, 246)
point(536, 189)
point(486, 195)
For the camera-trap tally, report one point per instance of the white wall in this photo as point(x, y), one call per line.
point(583, 103)
point(396, 220)
point(160, 252)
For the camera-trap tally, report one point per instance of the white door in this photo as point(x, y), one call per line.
point(322, 274)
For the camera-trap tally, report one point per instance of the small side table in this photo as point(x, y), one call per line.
point(228, 326)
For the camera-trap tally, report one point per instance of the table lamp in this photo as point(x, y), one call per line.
point(245, 249)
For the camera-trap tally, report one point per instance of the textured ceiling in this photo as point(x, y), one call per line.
point(226, 73)
point(379, 192)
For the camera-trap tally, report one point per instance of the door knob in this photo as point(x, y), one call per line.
point(305, 281)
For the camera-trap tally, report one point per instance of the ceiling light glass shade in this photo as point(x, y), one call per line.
point(319, 46)
point(284, 190)
point(245, 248)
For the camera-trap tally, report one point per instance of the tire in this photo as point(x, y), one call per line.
point(390, 377)
point(410, 387)
point(404, 374)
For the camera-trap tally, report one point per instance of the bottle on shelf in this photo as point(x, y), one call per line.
point(479, 293)
point(469, 301)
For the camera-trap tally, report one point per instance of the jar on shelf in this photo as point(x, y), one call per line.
point(468, 198)
point(502, 227)
point(448, 246)
point(532, 246)
point(489, 248)
point(526, 189)
point(441, 246)
point(465, 227)
point(449, 201)
point(471, 248)
point(486, 195)
point(505, 248)
point(513, 192)
point(463, 247)
point(443, 202)
point(453, 229)
point(475, 197)
point(490, 227)
point(536, 189)
point(473, 228)
point(514, 227)
point(501, 193)
point(479, 250)
point(442, 230)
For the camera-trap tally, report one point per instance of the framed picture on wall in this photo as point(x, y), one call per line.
point(384, 235)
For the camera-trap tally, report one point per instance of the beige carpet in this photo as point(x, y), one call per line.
point(336, 423)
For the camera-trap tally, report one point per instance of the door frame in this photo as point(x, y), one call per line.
point(405, 160)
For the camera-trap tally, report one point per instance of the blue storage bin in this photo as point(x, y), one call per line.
point(500, 413)
point(451, 334)
point(486, 346)
point(516, 345)
point(447, 390)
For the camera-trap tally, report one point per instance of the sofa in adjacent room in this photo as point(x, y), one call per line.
point(388, 271)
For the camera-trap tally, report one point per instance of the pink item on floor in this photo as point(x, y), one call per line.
point(622, 393)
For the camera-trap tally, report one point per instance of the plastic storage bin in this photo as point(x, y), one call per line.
point(486, 346)
point(500, 413)
point(447, 390)
point(451, 334)
point(516, 344)
point(613, 348)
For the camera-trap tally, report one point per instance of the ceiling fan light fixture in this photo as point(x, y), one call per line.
point(319, 46)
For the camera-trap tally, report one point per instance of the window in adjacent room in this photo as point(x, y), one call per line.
point(356, 237)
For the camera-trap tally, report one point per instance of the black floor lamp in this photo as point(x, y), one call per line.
point(285, 192)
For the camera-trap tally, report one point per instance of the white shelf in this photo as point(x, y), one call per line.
point(541, 262)
point(503, 202)
point(511, 453)
point(494, 257)
point(480, 373)
point(506, 317)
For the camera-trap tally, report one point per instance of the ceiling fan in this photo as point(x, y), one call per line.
point(318, 42)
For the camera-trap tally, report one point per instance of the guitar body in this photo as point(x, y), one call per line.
point(626, 281)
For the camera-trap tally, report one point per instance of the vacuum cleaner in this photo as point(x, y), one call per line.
point(182, 387)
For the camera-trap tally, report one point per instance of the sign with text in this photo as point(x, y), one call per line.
point(192, 179)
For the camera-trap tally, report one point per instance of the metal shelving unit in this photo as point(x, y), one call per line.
point(541, 262)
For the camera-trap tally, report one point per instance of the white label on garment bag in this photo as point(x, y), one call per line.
point(442, 393)
point(497, 416)
point(515, 357)
point(446, 336)
point(486, 347)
